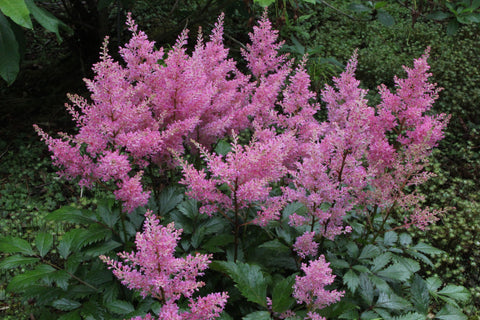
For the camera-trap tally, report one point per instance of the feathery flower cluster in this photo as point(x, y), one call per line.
point(154, 270)
point(310, 289)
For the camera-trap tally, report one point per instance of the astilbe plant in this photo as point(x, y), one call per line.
point(156, 108)
point(154, 271)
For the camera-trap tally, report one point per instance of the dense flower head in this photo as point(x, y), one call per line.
point(310, 288)
point(154, 270)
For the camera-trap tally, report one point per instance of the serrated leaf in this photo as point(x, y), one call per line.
point(449, 312)
point(351, 279)
point(60, 278)
point(65, 304)
point(366, 287)
point(120, 307)
point(15, 245)
point(294, 207)
point(380, 283)
point(108, 216)
point(420, 256)
point(101, 249)
point(405, 239)
point(369, 315)
point(214, 243)
point(249, 279)
point(381, 261)
point(361, 268)
point(410, 264)
point(168, 200)
point(275, 245)
point(395, 271)
point(338, 263)
point(43, 242)
point(223, 147)
point(9, 52)
point(392, 301)
point(410, 316)
point(420, 294)
point(458, 293)
point(258, 315)
point(72, 215)
point(282, 299)
point(352, 249)
point(390, 238)
point(452, 27)
point(433, 283)
point(23, 280)
point(439, 15)
point(16, 261)
point(17, 11)
point(358, 8)
point(426, 248)
point(369, 251)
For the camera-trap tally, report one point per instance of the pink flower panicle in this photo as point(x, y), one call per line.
point(154, 270)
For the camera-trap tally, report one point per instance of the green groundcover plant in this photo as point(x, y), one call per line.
point(232, 200)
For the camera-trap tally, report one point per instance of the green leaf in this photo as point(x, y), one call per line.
point(28, 278)
point(65, 304)
point(258, 315)
point(385, 18)
point(43, 242)
point(264, 3)
point(282, 299)
point(275, 245)
point(420, 256)
point(439, 15)
point(410, 316)
point(103, 248)
point(392, 301)
point(223, 147)
point(17, 11)
point(452, 27)
point(291, 208)
point(366, 289)
point(108, 216)
point(16, 261)
point(73, 315)
point(409, 264)
point(433, 283)
point(396, 271)
point(72, 215)
point(46, 19)
point(213, 244)
point(61, 278)
point(426, 248)
point(381, 261)
point(249, 279)
point(458, 293)
point(13, 245)
point(352, 250)
point(390, 238)
point(338, 263)
point(405, 239)
point(370, 251)
point(120, 307)
point(352, 280)
point(449, 312)
point(358, 8)
point(168, 200)
point(420, 294)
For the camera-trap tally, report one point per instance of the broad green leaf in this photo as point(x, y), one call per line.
point(28, 278)
point(213, 244)
point(291, 208)
point(458, 293)
point(405, 239)
point(392, 301)
point(369, 251)
point(351, 279)
point(338, 263)
point(108, 216)
point(420, 294)
point(72, 215)
point(43, 242)
point(390, 238)
point(168, 200)
point(46, 19)
point(249, 279)
point(13, 245)
point(61, 278)
point(449, 312)
point(366, 289)
point(426, 248)
point(380, 283)
point(420, 256)
point(282, 299)
point(225, 316)
point(361, 268)
point(380, 4)
point(275, 245)
point(65, 304)
point(223, 147)
point(410, 264)
point(381, 261)
point(73, 315)
point(358, 8)
point(385, 18)
point(120, 307)
point(395, 271)
point(16, 261)
point(258, 315)
point(410, 316)
point(17, 11)
point(264, 3)
point(103, 248)
point(370, 315)
point(439, 15)
point(352, 249)
point(452, 27)
point(433, 283)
